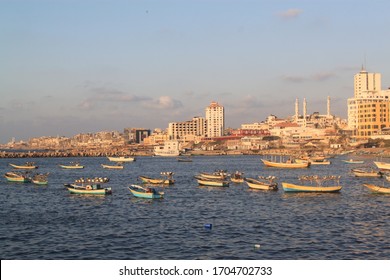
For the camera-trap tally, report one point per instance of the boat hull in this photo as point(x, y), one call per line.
point(287, 187)
point(377, 189)
point(121, 159)
point(258, 185)
point(362, 173)
point(147, 180)
point(268, 163)
point(23, 166)
point(19, 179)
point(212, 183)
point(36, 182)
point(141, 194)
point(72, 166)
point(80, 190)
point(112, 166)
point(353, 161)
point(382, 165)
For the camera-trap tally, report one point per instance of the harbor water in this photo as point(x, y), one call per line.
point(47, 222)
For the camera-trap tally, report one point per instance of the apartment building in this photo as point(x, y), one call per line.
point(215, 117)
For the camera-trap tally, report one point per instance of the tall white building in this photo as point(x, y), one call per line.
point(215, 117)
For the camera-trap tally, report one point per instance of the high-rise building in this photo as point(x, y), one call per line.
point(368, 110)
point(215, 117)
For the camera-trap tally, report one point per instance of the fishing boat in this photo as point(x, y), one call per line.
point(168, 180)
point(27, 165)
point(184, 159)
point(72, 165)
point(366, 173)
point(218, 175)
point(317, 184)
point(142, 192)
point(237, 177)
point(353, 161)
point(265, 183)
point(382, 165)
point(211, 182)
point(17, 177)
point(377, 189)
point(121, 159)
point(313, 162)
point(89, 186)
point(40, 179)
point(287, 164)
point(118, 166)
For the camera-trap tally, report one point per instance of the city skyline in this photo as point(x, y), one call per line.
point(72, 67)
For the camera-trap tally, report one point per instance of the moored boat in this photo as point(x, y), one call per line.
point(17, 177)
point(353, 161)
point(121, 159)
point(72, 165)
point(159, 181)
point(313, 162)
point(317, 184)
point(287, 164)
point(211, 182)
point(40, 179)
point(118, 166)
point(89, 186)
point(28, 165)
point(184, 159)
point(382, 165)
point(377, 189)
point(218, 175)
point(237, 177)
point(266, 183)
point(366, 173)
point(142, 192)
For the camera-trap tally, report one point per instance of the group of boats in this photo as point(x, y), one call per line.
point(26, 176)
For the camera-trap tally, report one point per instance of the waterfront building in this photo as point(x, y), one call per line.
point(368, 110)
point(136, 135)
point(215, 117)
point(188, 130)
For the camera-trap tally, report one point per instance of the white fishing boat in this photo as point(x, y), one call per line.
point(121, 159)
point(169, 149)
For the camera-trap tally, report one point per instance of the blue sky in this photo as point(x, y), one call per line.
point(69, 67)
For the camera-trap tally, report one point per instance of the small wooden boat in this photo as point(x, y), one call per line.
point(159, 181)
point(211, 182)
point(317, 187)
point(17, 177)
point(382, 165)
point(118, 166)
point(184, 159)
point(72, 165)
point(142, 192)
point(218, 175)
point(267, 183)
point(353, 161)
point(314, 162)
point(366, 173)
point(40, 179)
point(89, 186)
point(237, 177)
point(121, 159)
point(287, 164)
point(28, 165)
point(377, 189)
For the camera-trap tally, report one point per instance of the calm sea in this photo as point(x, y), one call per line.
point(46, 222)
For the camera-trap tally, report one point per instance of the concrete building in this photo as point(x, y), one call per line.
point(368, 110)
point(188, 129)
point(215, 117)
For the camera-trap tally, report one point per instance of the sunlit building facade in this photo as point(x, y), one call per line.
point(215, 117)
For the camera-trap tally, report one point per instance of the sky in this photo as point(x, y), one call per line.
point(70, 66)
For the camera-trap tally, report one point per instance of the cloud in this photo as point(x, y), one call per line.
point(102, 95)
point(323, 76)
point(294, 79)
point(164, 102)
point(290, 14)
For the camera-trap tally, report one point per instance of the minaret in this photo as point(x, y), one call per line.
point(296, 110)
point(328, 107)
point(304, 108)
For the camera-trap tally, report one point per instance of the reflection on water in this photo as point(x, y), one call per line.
point(47, 222)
